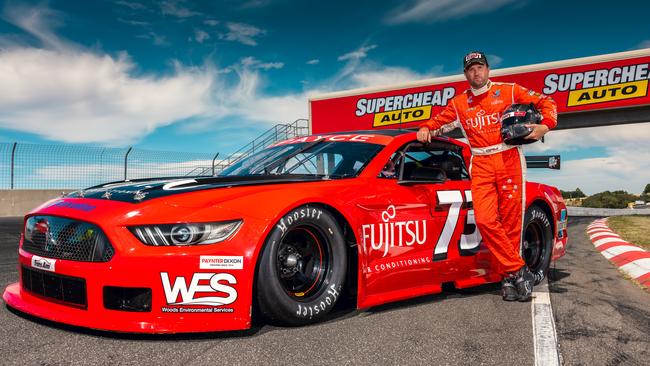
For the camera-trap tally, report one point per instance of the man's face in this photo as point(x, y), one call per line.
point(477, 75)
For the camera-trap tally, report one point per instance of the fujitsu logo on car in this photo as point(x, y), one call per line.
point(406, 232)
point(188, 294)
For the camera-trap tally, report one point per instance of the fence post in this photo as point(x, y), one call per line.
point(13, 154)
point(126, 157)
point(213, 160)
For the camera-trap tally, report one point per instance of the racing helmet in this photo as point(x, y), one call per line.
point(513, 121)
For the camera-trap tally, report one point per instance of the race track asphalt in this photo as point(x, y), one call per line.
point(601, 318)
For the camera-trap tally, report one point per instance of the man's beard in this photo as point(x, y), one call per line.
point(478, 86)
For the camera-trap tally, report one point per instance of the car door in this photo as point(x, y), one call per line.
point(422, 233)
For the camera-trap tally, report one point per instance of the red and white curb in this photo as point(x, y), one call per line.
point(629, 258)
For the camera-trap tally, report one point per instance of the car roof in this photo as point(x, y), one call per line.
point(384, 132)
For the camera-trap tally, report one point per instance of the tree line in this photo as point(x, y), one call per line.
point(608, 199)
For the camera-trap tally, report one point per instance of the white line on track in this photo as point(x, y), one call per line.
point(544, 334)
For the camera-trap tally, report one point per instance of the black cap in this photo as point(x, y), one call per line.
point(474, 57)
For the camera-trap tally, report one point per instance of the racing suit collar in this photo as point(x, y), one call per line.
point(483, 89)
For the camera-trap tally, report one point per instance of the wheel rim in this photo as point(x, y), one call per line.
point(534, 248)
point(302, 261)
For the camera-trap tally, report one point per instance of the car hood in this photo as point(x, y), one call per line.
point(143, 190)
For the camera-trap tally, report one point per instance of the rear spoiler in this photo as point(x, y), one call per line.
point(543, 161)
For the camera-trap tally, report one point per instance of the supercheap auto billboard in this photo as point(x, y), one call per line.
point(600, 82)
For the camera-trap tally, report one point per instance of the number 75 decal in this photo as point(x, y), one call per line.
point(469, 242)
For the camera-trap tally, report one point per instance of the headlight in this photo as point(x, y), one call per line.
point(186, 233)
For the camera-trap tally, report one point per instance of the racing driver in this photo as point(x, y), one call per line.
point(498, 170)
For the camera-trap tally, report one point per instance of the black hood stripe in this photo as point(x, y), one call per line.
point(143, 190)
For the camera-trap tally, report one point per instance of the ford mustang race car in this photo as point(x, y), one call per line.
point(284, 233)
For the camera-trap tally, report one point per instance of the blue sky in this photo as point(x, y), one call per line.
point(206, 76)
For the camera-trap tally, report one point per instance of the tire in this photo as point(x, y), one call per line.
point(302, 267)
point(537, 240)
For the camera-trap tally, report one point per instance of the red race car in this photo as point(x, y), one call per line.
point(285, 232)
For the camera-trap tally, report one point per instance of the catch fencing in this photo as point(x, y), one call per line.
point(36, 166)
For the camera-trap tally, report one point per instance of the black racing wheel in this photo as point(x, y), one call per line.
point(537, 240)
point(302, 267)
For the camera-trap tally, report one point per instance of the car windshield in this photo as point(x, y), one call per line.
point(322, 158)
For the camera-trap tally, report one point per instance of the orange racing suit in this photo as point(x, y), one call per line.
point(498, 170)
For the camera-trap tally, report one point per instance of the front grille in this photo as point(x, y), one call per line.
point(64, 289)
point(61, 238)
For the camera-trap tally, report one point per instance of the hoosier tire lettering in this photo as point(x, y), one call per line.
point(297, 215)
point(302, 267)
point(537, 240)
point(309, 311)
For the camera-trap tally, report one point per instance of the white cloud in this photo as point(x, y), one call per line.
point(158, 40)
point(358, 54)
point(494, 60)
point(66, 93)
point(201, 35)
point(253, 63)
point(38, 21)
point(82, 97)
point(388, 75)
point(242, 33)
point(313, 61)
point(643, 44)
point(612, 137)
point(431, 11)
point(137, 23)
point(131, 5)
point(255, 4)
point(211, 22)
point(174, 8)
point(626, 166)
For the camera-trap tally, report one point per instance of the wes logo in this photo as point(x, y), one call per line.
point(609, 93)
point(201, 290)
point(405, 108)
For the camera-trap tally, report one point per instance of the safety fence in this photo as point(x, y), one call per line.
point(35, 166)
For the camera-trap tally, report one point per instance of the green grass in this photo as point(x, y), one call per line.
point(634, 229)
